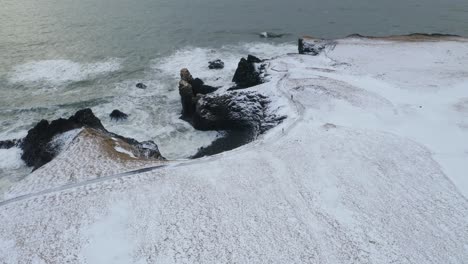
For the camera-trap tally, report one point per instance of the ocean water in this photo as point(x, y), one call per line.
point(58, 56)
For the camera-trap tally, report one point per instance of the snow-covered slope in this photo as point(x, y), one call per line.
point(370, 167)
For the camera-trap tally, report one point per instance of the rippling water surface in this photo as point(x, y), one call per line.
point(57, 56)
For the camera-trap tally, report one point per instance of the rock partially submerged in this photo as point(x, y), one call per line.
point(248, 73)
point(9, 143)
point(141, 86)
point(118, 115)
point(216, 64)
point(39, 149)
point(270, 35)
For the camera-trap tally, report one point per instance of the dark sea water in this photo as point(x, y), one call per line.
point(57, 56)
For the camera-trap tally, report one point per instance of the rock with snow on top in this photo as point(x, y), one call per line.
point(216, 64)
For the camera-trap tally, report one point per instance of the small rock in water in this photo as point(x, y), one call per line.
point(270, 35)
point(216, 64)
point(118, 115)
point(141, 86)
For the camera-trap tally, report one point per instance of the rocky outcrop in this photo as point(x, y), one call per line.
point(140, 86)
point(118, 115)
point(190, 90)
point(38, 148)
point(216, 64)
point(187, 96)
point(234, 111)
point(248, 73)
point(241, 115)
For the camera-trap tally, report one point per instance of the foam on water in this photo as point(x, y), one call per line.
point(60, 71)
point(12, 168)
point(11, 158)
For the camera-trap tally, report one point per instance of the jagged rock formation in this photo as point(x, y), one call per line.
point(216, 64)
point(190, 90)
point(242, 115)
point(248, 73)
point(38, 147)
point(118, 115)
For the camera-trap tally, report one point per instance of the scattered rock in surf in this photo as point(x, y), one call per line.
point(7, 144)
point(118, 115)
point(141, 86)
point(216, 64)
point(270, 35)
point(39, 148)
point(248, 73)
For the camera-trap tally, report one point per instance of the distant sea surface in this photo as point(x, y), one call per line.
point(57, 56)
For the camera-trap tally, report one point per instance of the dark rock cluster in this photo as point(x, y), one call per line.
point(190, 90)
point(248, 72)
point(216, 64)
point(38, 150)
point(242, 115)
point(234, 111)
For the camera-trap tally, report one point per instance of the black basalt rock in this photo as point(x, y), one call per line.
point(234, 111)
point(141, 86)
point(199, 87)
point(36, 148)
point(247, 73)
point(7, 144)
point(216, 64)
point(118, 115)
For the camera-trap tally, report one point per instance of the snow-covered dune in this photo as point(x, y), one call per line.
point(370, 167)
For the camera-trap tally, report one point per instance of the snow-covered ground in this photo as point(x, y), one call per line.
point(370, 167)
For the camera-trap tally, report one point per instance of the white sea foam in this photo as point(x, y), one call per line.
point(60, 71)
point(11, 158)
